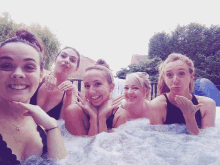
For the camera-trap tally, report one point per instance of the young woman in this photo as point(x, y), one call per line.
point(136, 93)
point(176, 104)
point(56, 92)
point(21, 135)
point(96, 112)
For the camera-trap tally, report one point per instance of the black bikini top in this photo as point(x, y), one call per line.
point(175, 115)
point(6, 156)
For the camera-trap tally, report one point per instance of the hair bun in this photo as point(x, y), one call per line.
point(103, 63)
point(31, 38)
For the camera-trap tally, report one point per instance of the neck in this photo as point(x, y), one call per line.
point(9, 111)
point(138, 110)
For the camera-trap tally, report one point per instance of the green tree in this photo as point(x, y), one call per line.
point(149, 66)
point(199, 43)
point(49, 40)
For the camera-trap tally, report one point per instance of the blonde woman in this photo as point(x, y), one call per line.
point(136, 93)
point(176, 103)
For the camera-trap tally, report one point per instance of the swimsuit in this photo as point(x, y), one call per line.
point(175, 115)
point(54, 112)
point(6, 156)
point(109, 121)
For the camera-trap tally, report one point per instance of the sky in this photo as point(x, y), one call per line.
point(112, 30)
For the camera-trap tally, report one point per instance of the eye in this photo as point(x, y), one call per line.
point(63, 55)
point(6, 66)
point(126, 88)
point(86, 86)
point(181, 74)
point(169, 75)
point(29, 67)
point(98, 84)
point(73, 60)
point(135, 88)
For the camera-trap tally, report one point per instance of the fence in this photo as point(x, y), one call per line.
point(153, 87)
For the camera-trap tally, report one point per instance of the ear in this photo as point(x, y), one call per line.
point(111, 87)
point(192, 76)
point(41, 75)
point(147, 90)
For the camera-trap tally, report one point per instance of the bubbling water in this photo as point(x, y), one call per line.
point(137, 142)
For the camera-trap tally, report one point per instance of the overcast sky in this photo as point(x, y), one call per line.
point(113, 30)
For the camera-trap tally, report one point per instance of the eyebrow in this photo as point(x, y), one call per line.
point(178, 69)
point(6, 58)
point(9, 58)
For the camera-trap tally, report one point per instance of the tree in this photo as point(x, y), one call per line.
point(150, 67)
point(49, 40)
point(199, 43)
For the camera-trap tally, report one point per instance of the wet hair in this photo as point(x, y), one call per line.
point(67, 47)
point(162, 87)
point(103, 66)
point(142, 79)
point(28, 38)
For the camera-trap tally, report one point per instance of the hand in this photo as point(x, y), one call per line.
point(107, 107)
point(50, 82)
point(86, 106)
point(186, 106)
point(39, 116)
point(68, 88)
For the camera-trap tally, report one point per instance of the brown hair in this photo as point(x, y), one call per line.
point(29, 38)
point(103, 66)
point(162, 87)
point(67, 47)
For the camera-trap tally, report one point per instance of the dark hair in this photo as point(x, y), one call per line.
point(67, 47)
point(103, 66)
point(29, 38)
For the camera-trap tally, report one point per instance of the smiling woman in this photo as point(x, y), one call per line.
point(96, 112)
point(21, 134)
point(176, 103)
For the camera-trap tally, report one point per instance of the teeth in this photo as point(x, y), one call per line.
point(95, 97)
point(13, 86)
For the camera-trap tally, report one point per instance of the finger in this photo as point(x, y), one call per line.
point(197, 107)
point(22, 105)
point(81, 99)
point(118, 97)
point(27, 114)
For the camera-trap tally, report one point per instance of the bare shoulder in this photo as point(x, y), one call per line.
point(158, 103)
point(120, 117)
point(73, 111)
point(208, 104)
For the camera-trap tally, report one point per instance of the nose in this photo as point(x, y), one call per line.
point(175, 79)
point(18, 73)
point(67, 60)
point(130, 90)
point(92, 90)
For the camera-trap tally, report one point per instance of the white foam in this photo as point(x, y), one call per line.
point(137, 142)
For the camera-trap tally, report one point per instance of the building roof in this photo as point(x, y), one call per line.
point(138, 58)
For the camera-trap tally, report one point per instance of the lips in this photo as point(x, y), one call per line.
point(18, 86)
point(65, 66)
point(95, 97)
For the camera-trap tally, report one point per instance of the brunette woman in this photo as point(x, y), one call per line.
point(176, 103)
point(96, 112)
point(57, 92)
point(21, 134)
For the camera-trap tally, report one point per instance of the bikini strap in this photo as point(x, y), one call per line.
point(115, 111)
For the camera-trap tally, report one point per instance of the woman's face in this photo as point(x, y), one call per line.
point(177, 76)
point(97, 89)
point(66, 61)
point(133, 92)
point(19, 71)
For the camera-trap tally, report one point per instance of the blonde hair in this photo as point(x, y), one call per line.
point(103, 66)
point(142, 79)
point(162, 87)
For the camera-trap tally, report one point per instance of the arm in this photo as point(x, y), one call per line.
point(209, 109)
point(56, 148)
point(157, 110)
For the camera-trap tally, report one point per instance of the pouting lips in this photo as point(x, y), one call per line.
point(18, 87)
